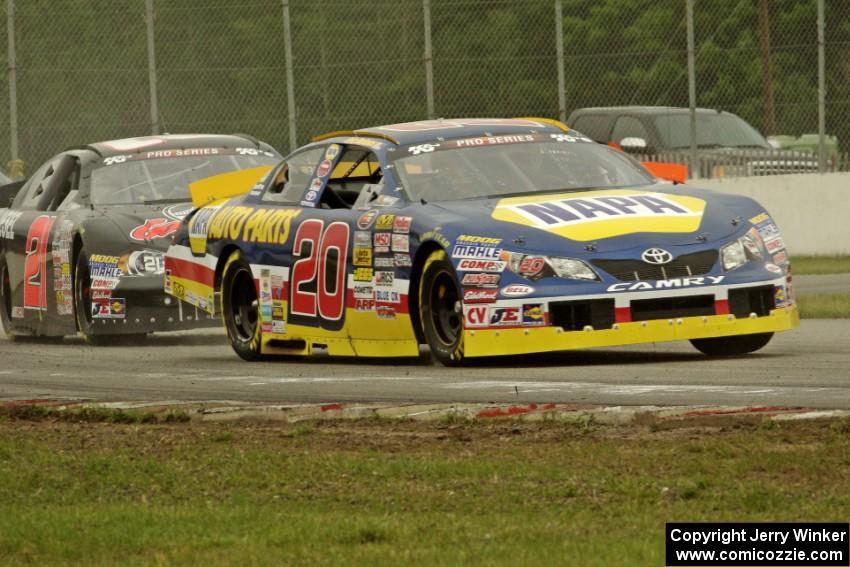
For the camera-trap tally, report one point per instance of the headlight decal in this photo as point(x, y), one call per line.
point(534, 267)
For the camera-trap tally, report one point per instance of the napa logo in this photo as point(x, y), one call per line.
point(594, 215)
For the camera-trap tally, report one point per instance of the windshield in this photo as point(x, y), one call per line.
point(509, 165)
point(140, 179)
point(713, 131)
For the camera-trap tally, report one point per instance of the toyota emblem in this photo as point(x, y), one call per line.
point(656, 256)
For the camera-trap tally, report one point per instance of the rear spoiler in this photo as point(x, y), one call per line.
point(9, 191)
point(226, 185)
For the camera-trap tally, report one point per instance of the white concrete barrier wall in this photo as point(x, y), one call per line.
point(812, 210)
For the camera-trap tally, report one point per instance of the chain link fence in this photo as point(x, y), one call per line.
point(87, 70)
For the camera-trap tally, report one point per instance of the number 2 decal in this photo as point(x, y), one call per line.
point(317, 280)
point(35, 265)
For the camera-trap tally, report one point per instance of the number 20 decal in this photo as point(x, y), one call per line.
point(35, 265)
point(317, 279)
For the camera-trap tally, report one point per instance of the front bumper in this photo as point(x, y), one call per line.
point(147, 309)
point(492, 342)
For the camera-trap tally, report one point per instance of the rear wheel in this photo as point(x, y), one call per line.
point(240, 308)
point(731, 346)
point(6, 311)
point(440, 309)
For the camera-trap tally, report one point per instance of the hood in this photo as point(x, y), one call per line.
point(610, 219)
point(147, 226)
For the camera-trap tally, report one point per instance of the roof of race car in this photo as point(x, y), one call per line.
point(426, 130)
point(170, 142)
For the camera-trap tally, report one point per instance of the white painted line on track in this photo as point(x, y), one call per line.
point(624, 389)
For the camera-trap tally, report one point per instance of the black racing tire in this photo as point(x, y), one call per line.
point(440, 309)
point(732, 346)
point(83, 304)
point(240, 308)
point(6, 312)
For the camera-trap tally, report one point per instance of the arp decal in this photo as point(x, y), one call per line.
point(155, 228)
point(603, 214)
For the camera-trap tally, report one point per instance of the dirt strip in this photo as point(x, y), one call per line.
point(656, 416)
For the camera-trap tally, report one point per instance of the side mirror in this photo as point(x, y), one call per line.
point(633, 144)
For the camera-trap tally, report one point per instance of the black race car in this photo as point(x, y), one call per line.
point(82, 240)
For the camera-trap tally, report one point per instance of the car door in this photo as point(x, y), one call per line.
point(331, 270)
point(32, 222)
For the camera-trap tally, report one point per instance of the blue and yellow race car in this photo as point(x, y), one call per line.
point(479, 237)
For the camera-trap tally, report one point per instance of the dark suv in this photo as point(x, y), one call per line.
point(727, 144)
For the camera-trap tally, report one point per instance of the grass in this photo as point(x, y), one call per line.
point(824, 305)
point(812, 265)
point(397, 492)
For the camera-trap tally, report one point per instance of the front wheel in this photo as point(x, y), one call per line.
point(83, 310)
point(240, 308)
point(440, 309)
point(731, 346)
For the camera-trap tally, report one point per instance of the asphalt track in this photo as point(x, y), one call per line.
point(807, 367)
